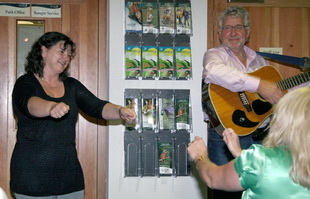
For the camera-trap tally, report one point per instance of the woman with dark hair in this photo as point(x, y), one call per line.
point(35, 61)
point(46, 103)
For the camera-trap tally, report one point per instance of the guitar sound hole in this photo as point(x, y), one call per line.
point(261, 107)
point(240, 119)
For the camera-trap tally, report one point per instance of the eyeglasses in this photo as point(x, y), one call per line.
point(237, 28)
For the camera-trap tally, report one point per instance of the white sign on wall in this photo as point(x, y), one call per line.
point(278, 51)
point(15, 9)
point(46, 11)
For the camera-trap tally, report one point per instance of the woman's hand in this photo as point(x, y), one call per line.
point(58, 110)
point(39, 107)
point(232, 141)
point(127, 114)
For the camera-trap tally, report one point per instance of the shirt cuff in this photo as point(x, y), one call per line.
point(251, 83)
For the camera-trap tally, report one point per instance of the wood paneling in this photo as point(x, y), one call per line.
point(47, 1)
point(276, 3)
point(80, 20)
point(4, 95)
point(88, 74)
point(283, 24)
point(11, 136)
point(103, 93)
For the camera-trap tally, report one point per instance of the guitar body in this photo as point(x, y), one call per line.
point(227, 109)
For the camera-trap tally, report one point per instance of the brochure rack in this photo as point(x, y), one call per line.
point(156, 144)
point(158, 34)
point(157, 47)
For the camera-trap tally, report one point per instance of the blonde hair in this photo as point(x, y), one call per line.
point(290, 128)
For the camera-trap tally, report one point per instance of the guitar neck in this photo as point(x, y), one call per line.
point(293, 81)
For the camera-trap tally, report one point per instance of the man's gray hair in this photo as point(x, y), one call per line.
point(235, 11)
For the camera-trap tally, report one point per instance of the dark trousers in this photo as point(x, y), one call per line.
point(220, 154)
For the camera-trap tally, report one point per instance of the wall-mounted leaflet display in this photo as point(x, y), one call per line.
point(166, 16)
point(150, 16)
point(157, 40)
point(132, 56)
point(156, 145)
point(183, 59)
point(156, 154)
point(149, 110)
point(149, 57)
point(133, 101)
point(162, 57)
point(167, 111)
point(133, 16)
point(183, 113)
point(166, 57)
point(183, 17)
point(158, 17)
point(159, 110)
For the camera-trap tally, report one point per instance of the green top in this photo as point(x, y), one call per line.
point(264, 173)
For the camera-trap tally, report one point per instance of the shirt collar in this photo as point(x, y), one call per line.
point(251, 54)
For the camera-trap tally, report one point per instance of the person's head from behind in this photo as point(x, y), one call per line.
point(234, 27)
point(37, 58)
point(290, 128)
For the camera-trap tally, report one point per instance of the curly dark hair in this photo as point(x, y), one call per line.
point(35, 62)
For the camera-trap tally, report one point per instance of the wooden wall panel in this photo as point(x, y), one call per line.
point(103, 93)
point(88, 75)
point(276, 3)
point(4, 95)
point(46, 1)
point(305, 33)
point(52, 24)
point(290, 21)
point(11, 136)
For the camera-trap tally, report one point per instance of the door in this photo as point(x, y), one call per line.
point(80, 20)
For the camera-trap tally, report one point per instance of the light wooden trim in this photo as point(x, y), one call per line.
point(276, 3)
point(11, 138)
point(211, 25)
point(305, 46)
point(46, 1)
point(103, 93)
point(4, 106)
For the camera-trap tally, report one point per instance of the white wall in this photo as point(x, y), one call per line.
point(120, 187)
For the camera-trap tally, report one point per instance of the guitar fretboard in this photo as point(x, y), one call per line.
point(293, 81)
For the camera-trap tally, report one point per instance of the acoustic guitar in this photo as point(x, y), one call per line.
point(244, 112)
